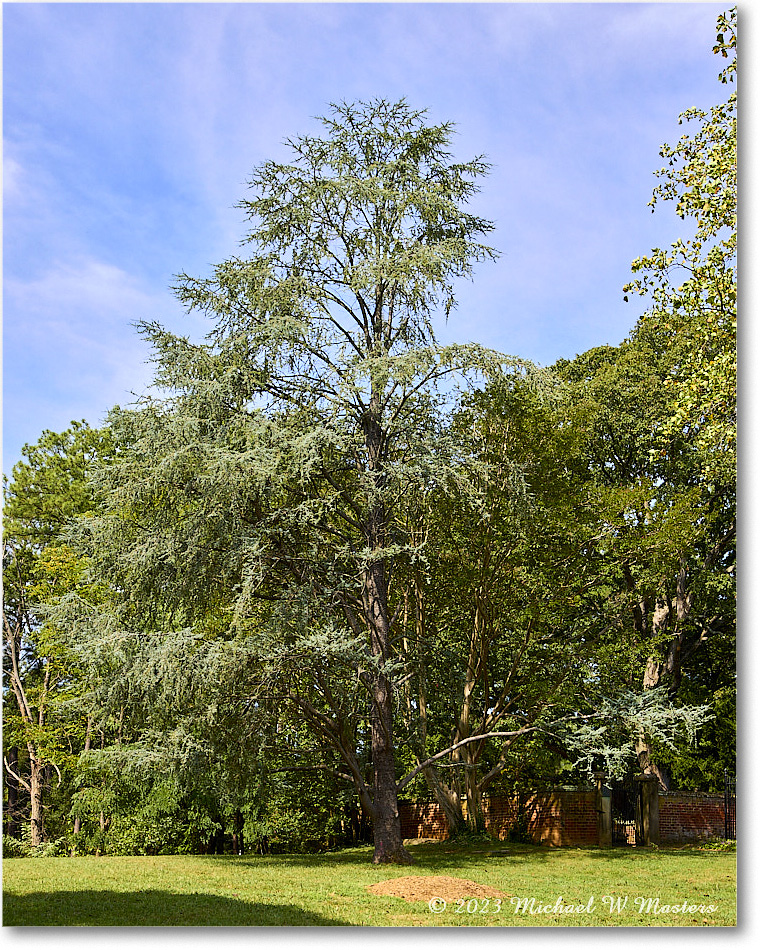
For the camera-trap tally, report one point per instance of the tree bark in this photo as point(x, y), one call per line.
point(389, 846)
point(237, 834)
point(655, 667)
point(87, 744)
point(449, 801)
point(36, 794)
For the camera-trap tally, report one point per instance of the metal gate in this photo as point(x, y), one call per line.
point(626, 812)
point(729, 806)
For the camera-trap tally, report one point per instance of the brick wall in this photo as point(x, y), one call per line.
point(569, 819)
point(565, 818)
point(688, 816)
point(423, 820)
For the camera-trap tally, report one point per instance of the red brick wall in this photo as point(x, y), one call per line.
point(423, 820)
point(565, 818)
point(687, 816)
point(569, 819)
point(555, 818)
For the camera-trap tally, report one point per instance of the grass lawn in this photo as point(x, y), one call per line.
point(611, 888)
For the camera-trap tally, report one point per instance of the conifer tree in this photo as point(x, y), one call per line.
point(260, 494)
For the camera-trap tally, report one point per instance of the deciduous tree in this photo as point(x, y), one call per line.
point(692, 285)
point(48, 488)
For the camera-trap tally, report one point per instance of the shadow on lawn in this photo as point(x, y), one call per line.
point(427, 857)
point(641, 851)
point(452, 857)
point(150, 909)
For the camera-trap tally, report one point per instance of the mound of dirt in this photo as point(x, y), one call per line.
point(423, 888)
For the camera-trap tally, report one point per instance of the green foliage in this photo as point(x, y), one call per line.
point(48, 489)
point(135, 834)
point(52, 484)
point(664, 545)
point(608, 739)
point(696, 319)
point(506, 607)
point(21, 848)
point(257, 511)
point(659, 417)
point(14, 847)
point(710, 678)
point(719, 845)
point(280, 831)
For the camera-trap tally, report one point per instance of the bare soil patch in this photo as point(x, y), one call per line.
point(423, 888)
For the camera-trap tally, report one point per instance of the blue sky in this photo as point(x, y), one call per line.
point(131, 129)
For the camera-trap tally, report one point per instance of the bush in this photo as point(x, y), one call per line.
point(518, 832)
point(719, 844)
point(54, 849)
point(133, 834)
point(13, 848)
point(280, 832)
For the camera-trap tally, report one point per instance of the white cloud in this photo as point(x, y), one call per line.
point(69, 350)
point(13, 178)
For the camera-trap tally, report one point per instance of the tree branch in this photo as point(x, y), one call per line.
point(18, 778)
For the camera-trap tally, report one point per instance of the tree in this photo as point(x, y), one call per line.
point(47, 489)
point(263, 500)
point(691, 327)
point(696, 320)
point(281, 523)
point(497, 641)
point(665, 539)
point(516, 663)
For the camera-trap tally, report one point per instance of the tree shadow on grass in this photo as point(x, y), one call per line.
point(150, 908)
point(457, 858)
point(442, 854)
point(642, 851)
point(441, 857)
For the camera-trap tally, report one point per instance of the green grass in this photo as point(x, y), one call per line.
point(331, 889)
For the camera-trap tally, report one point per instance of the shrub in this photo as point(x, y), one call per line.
point(13, 848)
point(54, 849)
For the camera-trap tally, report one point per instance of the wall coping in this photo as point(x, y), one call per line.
point(718, 796)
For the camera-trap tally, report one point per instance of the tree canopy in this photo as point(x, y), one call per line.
point(692, 285)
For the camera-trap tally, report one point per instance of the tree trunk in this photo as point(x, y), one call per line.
point(652, 678)
point(87, 744)
point(36, 793)
point(476, 819)
point(449, 801)
point(477, 662)
point(219, 842)
point(389, 846)
point(237, 834)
